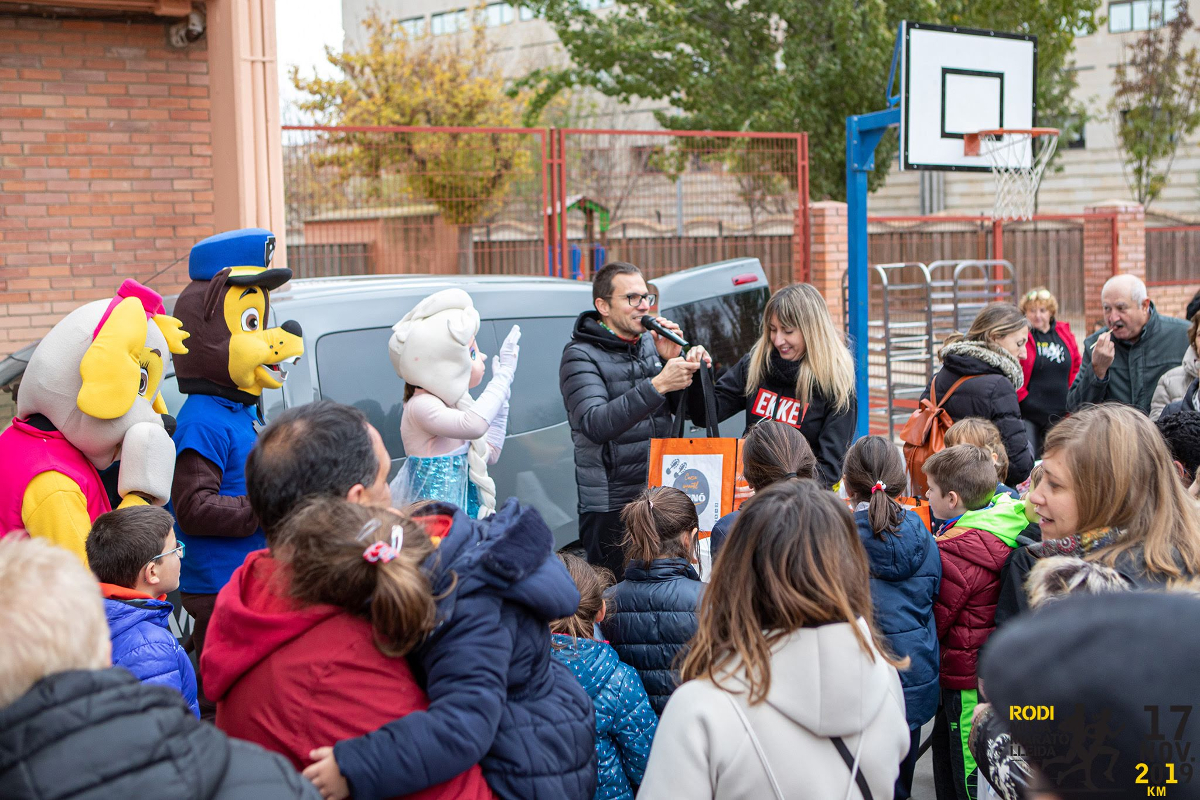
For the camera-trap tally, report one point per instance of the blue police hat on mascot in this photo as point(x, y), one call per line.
point(246, 253)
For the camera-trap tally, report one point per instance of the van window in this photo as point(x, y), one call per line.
point(727, 326)
point(353, 368)
point(536, 401)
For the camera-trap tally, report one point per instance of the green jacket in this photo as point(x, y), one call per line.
point(1004, 518)
point(1136, 366)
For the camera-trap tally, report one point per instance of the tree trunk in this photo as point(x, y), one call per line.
point(466, 249)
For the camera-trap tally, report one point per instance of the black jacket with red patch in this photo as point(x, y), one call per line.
point(828, 431)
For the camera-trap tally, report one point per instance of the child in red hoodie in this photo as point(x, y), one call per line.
point(308, 639)
point(980, 531)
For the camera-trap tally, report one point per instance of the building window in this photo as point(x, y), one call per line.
point(413, 26)
point(499, 14)
point(1141, 15)
point(1074, 134)
point(450, 22)
point(526, 13)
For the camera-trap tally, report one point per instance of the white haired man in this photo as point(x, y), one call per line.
point(73, 726)
point(1124, 362)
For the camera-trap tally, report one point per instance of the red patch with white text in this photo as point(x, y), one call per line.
point(771, 405)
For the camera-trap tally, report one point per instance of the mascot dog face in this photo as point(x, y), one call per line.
point(99, 370)
point(232, 354)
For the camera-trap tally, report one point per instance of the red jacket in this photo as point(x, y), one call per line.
point(965, 608)
point(1063, 330)
point(293, 678)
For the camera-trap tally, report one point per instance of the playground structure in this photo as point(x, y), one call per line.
point(913, 307)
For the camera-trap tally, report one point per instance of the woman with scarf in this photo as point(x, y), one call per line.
point(1108, 493)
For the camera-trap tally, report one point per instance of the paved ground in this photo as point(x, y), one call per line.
point(923, 776)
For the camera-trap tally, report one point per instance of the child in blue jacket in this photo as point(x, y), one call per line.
point(625, 722)
point(906, 571)
point(133, 553)
point(496, 697)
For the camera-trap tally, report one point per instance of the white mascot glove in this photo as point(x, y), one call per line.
point(147, 463)
point(504, 367)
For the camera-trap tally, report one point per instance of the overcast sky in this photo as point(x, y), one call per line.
point(304, 28)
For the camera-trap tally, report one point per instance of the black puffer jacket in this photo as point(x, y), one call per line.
point(827, 430)
point(650, 617)
point(103, 734)
point(614, 412)
point(992, 395)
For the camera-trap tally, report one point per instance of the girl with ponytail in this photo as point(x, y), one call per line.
point(651, 614)
point(313, 633)
point(906, 571)
point(449, 438)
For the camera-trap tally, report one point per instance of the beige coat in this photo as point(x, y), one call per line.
point(822, 685)
point(1174, 383)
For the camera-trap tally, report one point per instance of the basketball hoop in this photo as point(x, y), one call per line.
point(1016, 164)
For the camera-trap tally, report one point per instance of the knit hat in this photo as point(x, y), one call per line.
point(1095, 663)
point(429, 349)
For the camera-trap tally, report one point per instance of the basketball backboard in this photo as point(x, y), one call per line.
point(955, 81)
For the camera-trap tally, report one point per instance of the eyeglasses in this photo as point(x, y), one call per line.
point(180, 548)
point(1041, 294)
point(636, 300)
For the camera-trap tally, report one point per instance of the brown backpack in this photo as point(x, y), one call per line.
point(925, 434)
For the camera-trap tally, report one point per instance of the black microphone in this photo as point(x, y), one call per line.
point(651, 324)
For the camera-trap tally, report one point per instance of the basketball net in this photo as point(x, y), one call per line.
point(1017, 166)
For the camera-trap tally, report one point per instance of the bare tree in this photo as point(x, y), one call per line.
point(1156, 103)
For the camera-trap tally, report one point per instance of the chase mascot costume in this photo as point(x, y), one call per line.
point(89, 397)
point(232, 356)
point(449, 438)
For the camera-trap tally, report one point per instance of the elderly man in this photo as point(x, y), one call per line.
point(1124, 362)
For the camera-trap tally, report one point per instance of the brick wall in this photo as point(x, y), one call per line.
point(1172, 300)
point(105, 164)
point(829, 255)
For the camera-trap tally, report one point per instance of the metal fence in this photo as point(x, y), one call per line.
point(528, 201)
point(1047, 250)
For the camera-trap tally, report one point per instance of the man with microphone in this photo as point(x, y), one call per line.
point(619, 382)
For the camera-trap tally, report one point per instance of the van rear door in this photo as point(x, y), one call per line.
point(719, 306)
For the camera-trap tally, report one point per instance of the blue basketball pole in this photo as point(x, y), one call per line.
point(863, 132)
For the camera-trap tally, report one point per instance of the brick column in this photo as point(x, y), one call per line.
point(829, 254)
point(1114, 242)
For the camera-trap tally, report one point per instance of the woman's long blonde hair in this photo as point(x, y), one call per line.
point(792, 560)
point(826, 364)
point(1122, 477)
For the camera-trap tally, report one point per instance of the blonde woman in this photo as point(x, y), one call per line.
point(1109, 493)
point(990, 355)
point(1050, 365)
point(799, 372)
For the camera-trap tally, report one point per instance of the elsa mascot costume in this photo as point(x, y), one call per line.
point(449, 438)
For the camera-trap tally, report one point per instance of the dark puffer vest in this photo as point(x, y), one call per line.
point(650, 618)
point(614, 412)
point(992, 395)
point(102, 734)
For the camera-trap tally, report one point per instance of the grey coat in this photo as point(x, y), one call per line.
point(614, 411)
point(1136, 367)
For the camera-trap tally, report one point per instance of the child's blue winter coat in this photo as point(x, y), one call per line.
point(625, 722)
point(906, 571)
point(651, 618)
point(496, 697)
point(143, 644)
